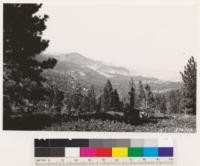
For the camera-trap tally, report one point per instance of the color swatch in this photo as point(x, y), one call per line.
point(135, 152)
point(150, 152)
point(103, 148)
point(119, 152)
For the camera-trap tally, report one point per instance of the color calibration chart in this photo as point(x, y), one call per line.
point(104, 152)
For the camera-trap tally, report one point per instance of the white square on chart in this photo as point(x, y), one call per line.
point(72, 152)
point(165, 143)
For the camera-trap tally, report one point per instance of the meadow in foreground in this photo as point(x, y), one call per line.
point(175, 124)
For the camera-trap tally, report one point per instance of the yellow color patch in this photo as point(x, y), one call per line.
point(119, 152)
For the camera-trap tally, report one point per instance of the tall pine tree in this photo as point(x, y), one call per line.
point(106, 97)
point(131, 114)
point(91, 99)
point(132, 95)
point(189, 89)
point(22, 37)
point(115, 103)
point(141, 95)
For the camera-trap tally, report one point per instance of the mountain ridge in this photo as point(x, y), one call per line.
point(78, 59)
point(89, 71)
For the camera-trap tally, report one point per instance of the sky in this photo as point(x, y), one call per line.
point(150, 39)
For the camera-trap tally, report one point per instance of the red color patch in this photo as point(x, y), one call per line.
point(103, 152)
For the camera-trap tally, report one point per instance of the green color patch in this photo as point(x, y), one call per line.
point(135, 152)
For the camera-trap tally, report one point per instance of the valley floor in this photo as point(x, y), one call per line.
point(174, 124)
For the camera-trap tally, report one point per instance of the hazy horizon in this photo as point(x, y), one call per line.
point(151, 40)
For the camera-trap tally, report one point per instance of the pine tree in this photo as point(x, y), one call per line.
point(132, 95)
point(115, 103)
point(149, 99)
point(132, 115)
point(189, 89)
point(141, 95)
point(91, 99)
point(22, 37)
point(106, 97)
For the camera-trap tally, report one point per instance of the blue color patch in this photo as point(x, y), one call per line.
point(150, 152)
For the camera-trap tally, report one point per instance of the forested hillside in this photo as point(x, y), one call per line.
point(72, 92)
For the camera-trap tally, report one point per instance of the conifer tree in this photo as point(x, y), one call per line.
point(106, 97)
point(149, 99)
point(115, 103)
point(22, 38)
point(132, 115)
point(141, 94)
point(189, 89)
point(91, 99)
point(132, 95)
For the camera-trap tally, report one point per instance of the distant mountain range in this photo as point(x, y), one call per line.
point(89, 71)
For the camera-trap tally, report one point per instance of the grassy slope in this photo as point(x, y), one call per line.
point(177, 123)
